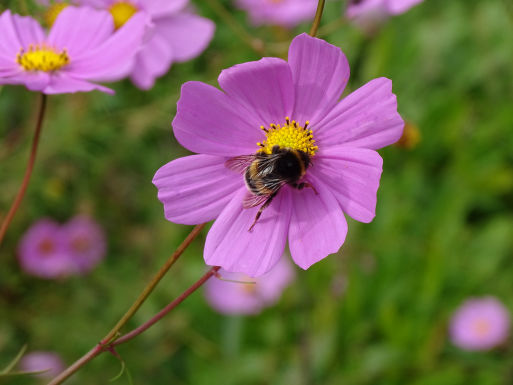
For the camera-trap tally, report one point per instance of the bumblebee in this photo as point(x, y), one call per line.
point(265, 174)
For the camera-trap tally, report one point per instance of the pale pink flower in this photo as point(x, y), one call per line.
point(369, 13)
point(251, 296)
point(480, 324)
point(47, 362)
point(287, 13)
point(80, 49)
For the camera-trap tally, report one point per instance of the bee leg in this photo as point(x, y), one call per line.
point(262, 208)
point(302, 185)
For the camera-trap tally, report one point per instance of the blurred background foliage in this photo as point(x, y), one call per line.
point(375, 313)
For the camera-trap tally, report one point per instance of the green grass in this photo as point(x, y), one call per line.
point(443, 230)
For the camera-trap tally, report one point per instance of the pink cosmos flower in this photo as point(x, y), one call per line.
point(287, 13)
point(270, 117)
point(480, 324)
point(175, 35)
point(248, 298)
point(376, 10)
point(85, 242)
point(48, 362)
point(80, 49)
point(42, 251)
point(49, 250)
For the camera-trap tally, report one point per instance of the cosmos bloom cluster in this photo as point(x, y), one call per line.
point(248, 295)
point(174, 33)
point(50, 250)
point(99, 41)
point(287, 13)
point(305, 194)
point(480, 324)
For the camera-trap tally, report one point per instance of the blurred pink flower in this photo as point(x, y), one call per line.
point(369, 13)
point(49, 362)
point(49, 250)
point(341, 138)
point(247, 298)
point(175, 34)
point(80, 49)
point(287, 13)
point(85, 242)
point(480, 324)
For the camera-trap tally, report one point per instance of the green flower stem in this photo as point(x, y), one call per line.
point(28, 172)
point(318, 17)
point(111, 336)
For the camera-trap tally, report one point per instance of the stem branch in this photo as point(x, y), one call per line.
point(106, 342)
point(28, 172)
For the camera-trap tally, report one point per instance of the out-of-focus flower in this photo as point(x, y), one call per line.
point(80, 49)
point(85, 242)
point(176, 34)
point(480, 324)
point(369, 13)
point(287, 13)
point(47, 362)
point(339, 137)
point(53, 9)
point(410, 138)
point(49, 250)
point(248, 298)
point(42, 251)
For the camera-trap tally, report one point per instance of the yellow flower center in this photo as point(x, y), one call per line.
point(42, 58)
point(52, 12)
point(291, 135)
point(121, 12)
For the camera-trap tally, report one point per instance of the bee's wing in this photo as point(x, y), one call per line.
point(252, 200)
point(239, 163)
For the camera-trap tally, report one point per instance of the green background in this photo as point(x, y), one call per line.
point(375, 313)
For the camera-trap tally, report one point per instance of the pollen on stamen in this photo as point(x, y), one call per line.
point(291, 135)
point(41, 57)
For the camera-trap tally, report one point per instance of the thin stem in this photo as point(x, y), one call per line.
point(100, 348)
point(134, 333)
point(28, 172)
point(318, 17)
point(151, 285)
point(255, 44)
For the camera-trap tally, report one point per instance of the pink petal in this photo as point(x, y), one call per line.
point(396, 7)
point(196, 188)
point(209, 122)
point(187, 35)
point(320, 72)
point(64, 84)
point(79, 30)
point(352, 175)
point(263, 89)
point(113, 58)
point(230, 245)
point(17, 32)
point(317, 226)
point(366, 118)
point(153, 61)
point(34, 81)
point(162, 8)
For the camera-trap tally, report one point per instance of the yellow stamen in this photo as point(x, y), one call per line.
point(53, 12)
point(42, 58)
point(121, 12)
point(291, 135)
